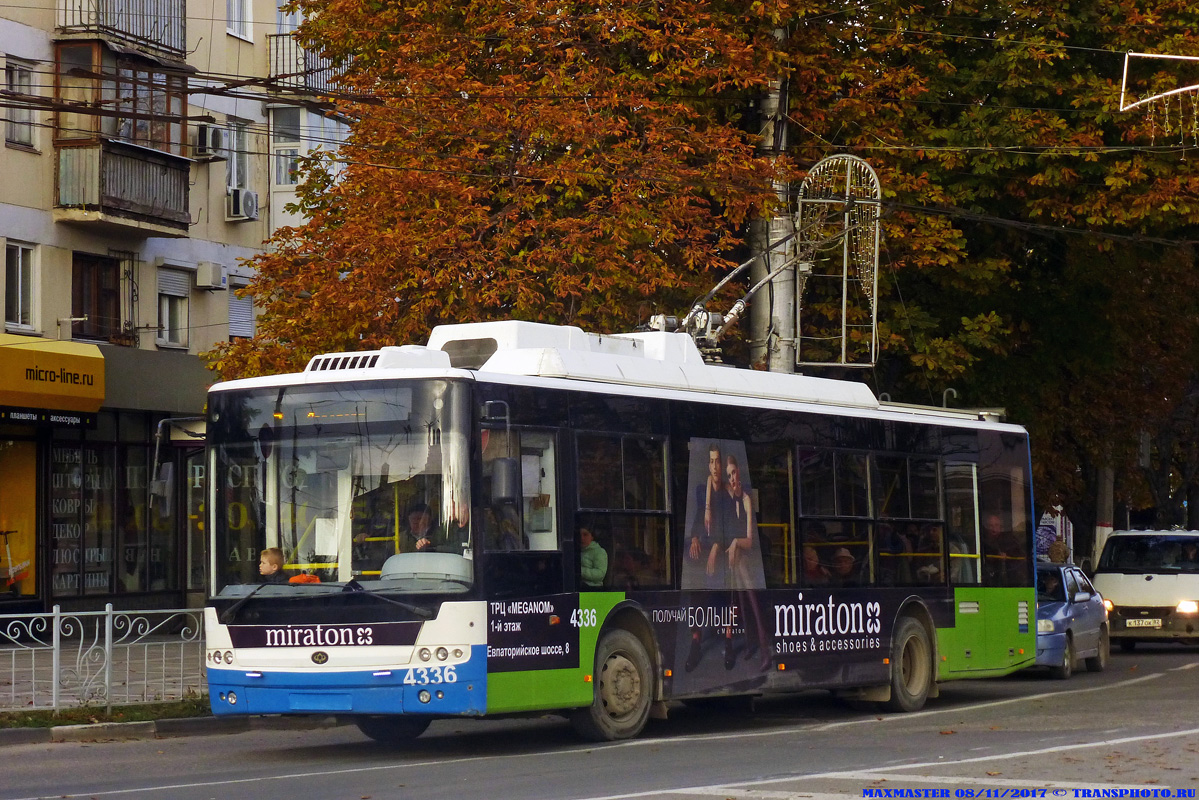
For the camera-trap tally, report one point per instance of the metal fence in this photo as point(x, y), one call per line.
point(100, 658)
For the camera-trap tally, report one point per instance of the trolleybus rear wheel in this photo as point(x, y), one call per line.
point(911, 667)
point(392, 730)
point(623, 690)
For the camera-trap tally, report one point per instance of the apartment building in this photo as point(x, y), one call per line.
point(145, 157)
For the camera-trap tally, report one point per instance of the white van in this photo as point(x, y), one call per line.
point(1150, 583)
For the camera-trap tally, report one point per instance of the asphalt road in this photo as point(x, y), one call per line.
point(1130, 730)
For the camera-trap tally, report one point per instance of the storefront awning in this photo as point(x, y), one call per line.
point(47, 374)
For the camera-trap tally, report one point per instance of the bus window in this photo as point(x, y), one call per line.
point(621, 472)
point(638, 550)
point(530, 522)
point(841, 551)
point(962, 517)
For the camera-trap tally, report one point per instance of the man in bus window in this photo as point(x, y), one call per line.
point(843, 568)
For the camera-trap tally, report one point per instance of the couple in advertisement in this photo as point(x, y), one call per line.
point(723, 559)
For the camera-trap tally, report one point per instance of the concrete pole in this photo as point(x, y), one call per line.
point(772, 310)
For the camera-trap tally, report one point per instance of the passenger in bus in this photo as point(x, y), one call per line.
point(844, 573)
point(1003, 562)
point(593, 560)
point(814, 573)
point(270, 565)
point(930, 560)
point(1189, 556)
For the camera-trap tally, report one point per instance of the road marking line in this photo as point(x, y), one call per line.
point(660, 741)
point(860, 775)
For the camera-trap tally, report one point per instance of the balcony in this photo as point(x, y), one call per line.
point(157, 26)
point(123, 186)
point(297, 68)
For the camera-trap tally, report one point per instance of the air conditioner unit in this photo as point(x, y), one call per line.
point(243, 205)
point(212, 142)
point(213, 276)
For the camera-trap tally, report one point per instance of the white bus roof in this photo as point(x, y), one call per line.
point(655, 360)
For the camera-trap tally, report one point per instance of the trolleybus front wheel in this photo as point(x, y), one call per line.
point(911, 667)
point(392, 730)
point(623, 690)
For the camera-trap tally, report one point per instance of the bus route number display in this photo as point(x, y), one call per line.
point(534, 634)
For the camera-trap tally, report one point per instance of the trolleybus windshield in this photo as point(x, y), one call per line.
point(354, 481)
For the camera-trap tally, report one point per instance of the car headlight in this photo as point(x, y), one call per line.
point(1045, 626)
point(1188, 607)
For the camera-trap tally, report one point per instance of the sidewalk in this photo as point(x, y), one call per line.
point(161, 729)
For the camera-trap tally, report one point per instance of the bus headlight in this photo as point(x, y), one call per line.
point(232, 698)
point(425, 654)
point(1045, 626)
point(1188, 607)
point(442, 654)
point(1109, 605)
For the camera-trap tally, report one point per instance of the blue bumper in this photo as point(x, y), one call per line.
point(400, 690)
point(1051, 649)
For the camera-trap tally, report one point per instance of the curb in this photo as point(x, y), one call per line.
point(162, 729)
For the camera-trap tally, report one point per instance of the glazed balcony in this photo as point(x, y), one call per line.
point(124, 186)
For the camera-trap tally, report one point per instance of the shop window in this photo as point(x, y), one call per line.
point(18, 512)
point(173, 290)
point(95, 297)
point(18, 288)
point(148, 102)
point(19, 82)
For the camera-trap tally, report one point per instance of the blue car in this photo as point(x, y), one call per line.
point(1071, 621)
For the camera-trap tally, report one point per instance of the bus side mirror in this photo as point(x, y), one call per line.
point(505, 481)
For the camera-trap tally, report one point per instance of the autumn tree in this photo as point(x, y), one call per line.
point(558, 161)
point(1028, 259)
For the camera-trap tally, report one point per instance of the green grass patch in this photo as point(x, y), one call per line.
point(84, 715)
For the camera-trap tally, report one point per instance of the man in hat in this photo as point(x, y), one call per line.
point(844, 573)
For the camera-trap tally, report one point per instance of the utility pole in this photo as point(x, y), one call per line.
point(772, 323)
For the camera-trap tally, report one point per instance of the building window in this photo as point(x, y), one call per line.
point(95, 297)
point(237, 167)
point(237, 18)
point(91, 74)
point(285, 144)
point(241, 316)
point(19, 81)
point(18, 287)
point(173, 289)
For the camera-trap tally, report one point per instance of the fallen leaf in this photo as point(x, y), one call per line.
point(948, 733)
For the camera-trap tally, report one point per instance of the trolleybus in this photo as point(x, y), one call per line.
point(521, 517)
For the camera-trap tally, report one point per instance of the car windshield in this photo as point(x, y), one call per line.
point(317, 484)
point(1049, 586)
point(1150, 553)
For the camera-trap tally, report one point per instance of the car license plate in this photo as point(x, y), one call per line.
point(1143, 623)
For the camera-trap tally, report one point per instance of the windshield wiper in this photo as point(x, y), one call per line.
point(352, 585)
point(227, 615)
